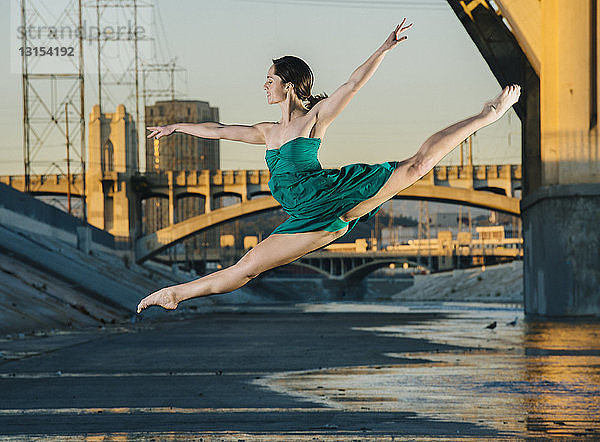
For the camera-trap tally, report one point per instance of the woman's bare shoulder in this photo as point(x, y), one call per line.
point(266, 127)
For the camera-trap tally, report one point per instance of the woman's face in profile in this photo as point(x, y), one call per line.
point(274, 87)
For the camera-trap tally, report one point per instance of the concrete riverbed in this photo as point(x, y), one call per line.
point(307, 371)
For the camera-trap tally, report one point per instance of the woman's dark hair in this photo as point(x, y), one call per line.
point(294, 70)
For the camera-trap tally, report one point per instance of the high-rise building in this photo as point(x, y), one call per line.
point(180, 152)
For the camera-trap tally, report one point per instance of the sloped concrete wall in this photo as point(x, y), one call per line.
point(22, 211)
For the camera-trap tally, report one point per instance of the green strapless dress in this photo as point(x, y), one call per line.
point(314, 197)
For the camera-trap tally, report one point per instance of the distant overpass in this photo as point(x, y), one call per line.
point(349, 262)
point(354, 266)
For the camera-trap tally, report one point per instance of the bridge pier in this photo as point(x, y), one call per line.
point(345, 290)
point(562, 251)
point(561, 198)
point(533, 45)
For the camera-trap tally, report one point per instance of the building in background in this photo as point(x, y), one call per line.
point(181, 152)
point(112, 161)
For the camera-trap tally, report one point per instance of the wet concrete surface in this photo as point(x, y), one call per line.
point(336, 371)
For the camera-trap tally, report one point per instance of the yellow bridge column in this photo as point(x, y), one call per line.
point(560, 216)
point(556, 63)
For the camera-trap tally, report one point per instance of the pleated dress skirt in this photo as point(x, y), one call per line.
point(314, 197)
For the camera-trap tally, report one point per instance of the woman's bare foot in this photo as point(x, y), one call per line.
point(164, 297)
point(494, 109)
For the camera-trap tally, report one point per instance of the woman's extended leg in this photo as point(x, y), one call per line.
point(434, 149)
point(276, 250)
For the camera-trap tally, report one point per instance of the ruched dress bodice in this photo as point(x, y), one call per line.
point(296, 156)
point(314, 197)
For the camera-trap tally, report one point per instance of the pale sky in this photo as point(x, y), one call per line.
point(433, 79)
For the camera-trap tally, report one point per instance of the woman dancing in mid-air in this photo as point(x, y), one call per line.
point(323, 204)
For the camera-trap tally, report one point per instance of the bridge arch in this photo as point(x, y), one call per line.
point(220, 195)
point(189, 194)
point(258, 194)
point(151, 244)
point(360, 272)
point(496, 190)
point(189, 204)
point(356, 273)
point(154, 209)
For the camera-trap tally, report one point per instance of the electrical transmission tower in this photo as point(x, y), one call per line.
point(130, 76)
point(50, 91)
point(54, 88)
point(469, 142)
point(118, 37)
point(158, 72)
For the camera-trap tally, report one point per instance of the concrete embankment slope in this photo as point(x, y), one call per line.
point(56, 272)
point(47, 284)
point(498, 283)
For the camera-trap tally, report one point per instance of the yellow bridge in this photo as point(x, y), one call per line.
point(486, 186)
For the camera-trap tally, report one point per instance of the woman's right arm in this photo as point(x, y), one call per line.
point(254, 134)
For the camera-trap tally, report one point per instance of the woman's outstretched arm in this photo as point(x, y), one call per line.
point(236, 132)
point(366, 70)
point(329, 108)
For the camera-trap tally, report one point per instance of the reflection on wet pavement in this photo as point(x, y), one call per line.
point(529, 378)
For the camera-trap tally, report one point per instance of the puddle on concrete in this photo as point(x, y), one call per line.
point(532, 378)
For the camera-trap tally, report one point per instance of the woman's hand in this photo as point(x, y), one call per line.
point(394, 37)
point(161, 131)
